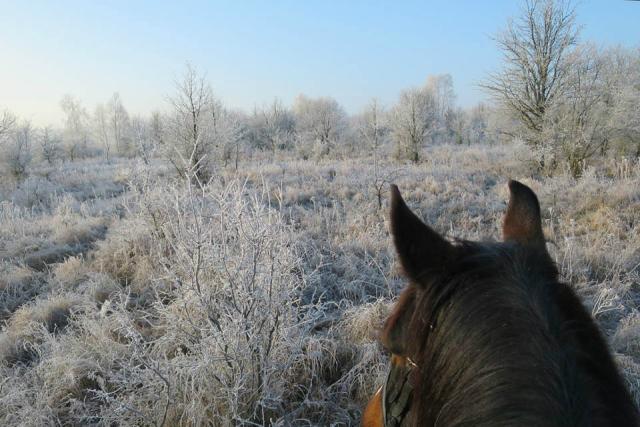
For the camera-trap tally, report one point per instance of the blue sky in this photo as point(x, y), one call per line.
point(253, 51)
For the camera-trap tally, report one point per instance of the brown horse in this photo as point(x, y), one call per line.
point(486, 335)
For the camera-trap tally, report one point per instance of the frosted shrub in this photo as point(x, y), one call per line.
point(34, 192)
point(226, 267)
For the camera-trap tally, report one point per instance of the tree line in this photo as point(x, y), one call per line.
point(198, 132)
point(570, 101)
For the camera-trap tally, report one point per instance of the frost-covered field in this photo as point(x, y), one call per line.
point(128, 297)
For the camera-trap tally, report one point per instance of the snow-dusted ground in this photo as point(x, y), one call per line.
point(129, 297)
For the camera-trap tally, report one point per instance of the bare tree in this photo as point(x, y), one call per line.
point(120, 124)
point(16, 153)
point(459, 125)
point(156, 130)
point(478, 123)
point(143, 141)
point(578, 119)
point(621, 74)
point(192, 125)
point(102, 129)
point(440, 87)
point(535, 47)
point(371, 127)
point(583, 109)
point(410, 121)
point(274, 127)
point(7, 122)
point(76, 129)
point(320, 122)
point(231, 132)
point(49, 145)
point(225, 130)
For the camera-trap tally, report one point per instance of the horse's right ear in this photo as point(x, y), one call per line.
point(522, 222)
point(420, 249)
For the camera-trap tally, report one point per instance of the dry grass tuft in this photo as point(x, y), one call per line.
point(18, 284)
point(30, 323)
point(126, 254)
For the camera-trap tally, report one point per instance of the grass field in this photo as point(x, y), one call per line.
point(129, 297)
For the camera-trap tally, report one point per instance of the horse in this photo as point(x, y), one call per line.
point(485, 333)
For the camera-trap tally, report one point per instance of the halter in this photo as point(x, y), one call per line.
point(397, 392)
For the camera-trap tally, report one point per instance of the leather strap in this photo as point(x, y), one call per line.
point(397, 392)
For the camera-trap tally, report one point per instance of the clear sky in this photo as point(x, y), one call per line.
point(254, 51)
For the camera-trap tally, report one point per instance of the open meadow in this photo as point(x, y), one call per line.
point(131, 297)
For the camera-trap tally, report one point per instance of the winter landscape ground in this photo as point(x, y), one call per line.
point(131, 297)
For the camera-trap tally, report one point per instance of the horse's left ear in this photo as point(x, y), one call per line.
point(522, 222)
point(419, 248)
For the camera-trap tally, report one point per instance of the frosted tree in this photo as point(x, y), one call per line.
point(273, 127)
point(478, 123)
point(191, 126)
point(157, 130)
point(577, 121)
point(458, 125)
point(102, 129)
point(231, 132)
point(598, 108)
point(320, 122)
point(119, 123)
point(142, 136)
point(372, 129)
point(371, 126)
point(7, 121)
point(17, 151)
point(76, 131)
point(622, 78)
point(440, 87)
point(535, 47)
point(49, 145)
point(410, 121)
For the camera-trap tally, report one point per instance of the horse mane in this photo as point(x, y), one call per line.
point(499, 341)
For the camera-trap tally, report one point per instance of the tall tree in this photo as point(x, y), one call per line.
point(410, 121)
point(622, 78)
point(102, 129)
point(535, 47)
point(319, 121)
point(120, 124)
point(273, 126)
point(371, 127)
point(142, 135)
point(17, 152)
point(577, 121)
point(157, 129)
point(440, 86)
point(193, 126)
point(49, 145)
point(76, 129)
point(7, 122)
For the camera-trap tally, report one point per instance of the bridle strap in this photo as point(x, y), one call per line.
point(384, 399)
point(397, 393)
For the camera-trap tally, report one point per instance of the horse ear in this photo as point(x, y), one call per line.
point(419, 248)
point(522, 221)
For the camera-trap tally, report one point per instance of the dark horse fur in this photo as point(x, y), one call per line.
point(496, 338)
